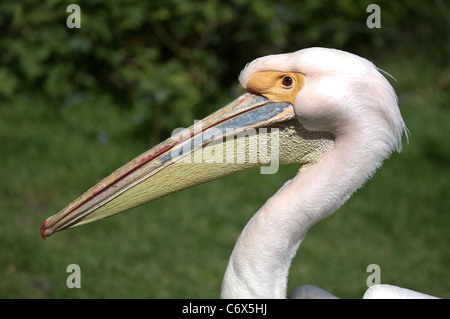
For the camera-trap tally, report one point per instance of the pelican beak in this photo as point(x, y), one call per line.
point(245, 133)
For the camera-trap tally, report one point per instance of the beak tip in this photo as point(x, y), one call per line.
point(44, 231)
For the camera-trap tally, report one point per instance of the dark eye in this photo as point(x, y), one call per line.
point(287, 81)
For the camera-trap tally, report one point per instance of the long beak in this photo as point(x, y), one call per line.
point(231, 139)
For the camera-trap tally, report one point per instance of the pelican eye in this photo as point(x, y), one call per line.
point(287, 82)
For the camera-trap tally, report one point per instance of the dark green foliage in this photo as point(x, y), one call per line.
point(169, 61)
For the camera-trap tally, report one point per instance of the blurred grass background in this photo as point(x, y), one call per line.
point(75, 104)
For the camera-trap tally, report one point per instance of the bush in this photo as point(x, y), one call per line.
point(170, 60)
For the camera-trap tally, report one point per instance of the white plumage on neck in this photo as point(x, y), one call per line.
point(346, 96)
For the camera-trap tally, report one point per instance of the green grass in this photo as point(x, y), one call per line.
point(178, 247)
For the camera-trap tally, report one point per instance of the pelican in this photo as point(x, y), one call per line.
point(330, 111)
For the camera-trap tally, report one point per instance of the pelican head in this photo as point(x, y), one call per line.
point(331, 91)
point(311, 106)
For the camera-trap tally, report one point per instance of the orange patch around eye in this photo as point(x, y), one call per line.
point(270, 85)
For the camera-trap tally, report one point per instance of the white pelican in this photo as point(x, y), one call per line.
point(336, 115)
